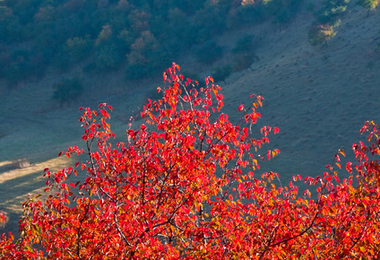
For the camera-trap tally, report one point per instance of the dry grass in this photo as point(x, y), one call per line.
point(17, 183)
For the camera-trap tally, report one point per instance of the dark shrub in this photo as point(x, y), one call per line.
point(67, 90)
point(209, 53)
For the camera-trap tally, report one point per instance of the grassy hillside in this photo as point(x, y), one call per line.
point(319, 97)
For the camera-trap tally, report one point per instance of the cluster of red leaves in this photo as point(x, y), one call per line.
point(183, 186)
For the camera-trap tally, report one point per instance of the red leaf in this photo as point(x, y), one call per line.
point(348, 167)
point(104, 113)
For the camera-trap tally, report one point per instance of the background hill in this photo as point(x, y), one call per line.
point(319, 96)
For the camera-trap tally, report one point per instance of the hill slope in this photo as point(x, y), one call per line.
point(319, 97)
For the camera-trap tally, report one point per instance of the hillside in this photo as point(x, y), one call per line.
point(318, 96)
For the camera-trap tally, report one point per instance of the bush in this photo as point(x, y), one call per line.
point(321, 34)
point(209, 52)
point(67, 90)
point(368, 4)
point(244, 53)
point(221, 73)
point(25, 65)
point(244, 45)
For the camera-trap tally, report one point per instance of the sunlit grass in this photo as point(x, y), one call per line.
point(17, 183)
point(4, 162)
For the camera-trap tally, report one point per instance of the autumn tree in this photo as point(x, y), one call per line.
point(369, 4)
point(186, 184)
point(145, 55)
point(321, 34)
point(326, 19)
point(107, 55)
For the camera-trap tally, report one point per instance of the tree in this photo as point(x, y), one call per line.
point(183, 186)
point(326, 18)
point(221, 73)
point(321, 34)
point(369, 4)
point(143, 48)
point(67, 90)
point(244, 45)
point(331, 12)
point(209, 20)
point(25, 64)
point(209, 52)
point(146, 55)
point(244, 53)
point(78, 48)
point(9, 25)
point(108, 53)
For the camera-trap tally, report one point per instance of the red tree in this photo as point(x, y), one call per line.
point(183, 186)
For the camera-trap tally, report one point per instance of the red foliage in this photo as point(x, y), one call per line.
point(183, 186)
